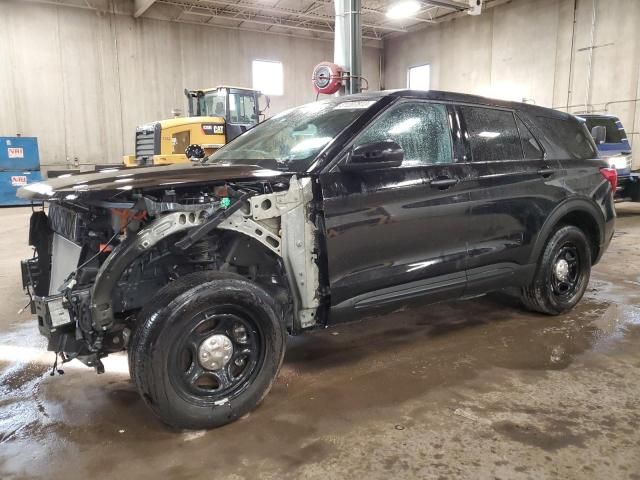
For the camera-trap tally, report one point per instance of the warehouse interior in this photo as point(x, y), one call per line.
point(466, 389)
point(83, 99)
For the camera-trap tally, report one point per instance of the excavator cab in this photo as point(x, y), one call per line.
point(216, 116)
point(238, 106)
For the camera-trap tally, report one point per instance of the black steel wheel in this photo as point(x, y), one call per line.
point(562, 274)
point(218, 355)
point(207, 349)
point(565, 272)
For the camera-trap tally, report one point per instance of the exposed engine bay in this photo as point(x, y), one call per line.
point(99, 260)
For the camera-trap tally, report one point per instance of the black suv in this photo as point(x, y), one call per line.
point(324, 213)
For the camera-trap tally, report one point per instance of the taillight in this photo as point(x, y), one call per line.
point(611, 174)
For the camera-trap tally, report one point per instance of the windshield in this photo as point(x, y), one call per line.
point(291, 140)
point(615, 134)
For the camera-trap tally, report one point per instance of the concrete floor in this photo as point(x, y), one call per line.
point(476, 389)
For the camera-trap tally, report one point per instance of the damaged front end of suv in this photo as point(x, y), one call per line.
point(101, 256)
point(199, 271)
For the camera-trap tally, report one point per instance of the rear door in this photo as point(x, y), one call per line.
point(398, 234)
point(514, 190)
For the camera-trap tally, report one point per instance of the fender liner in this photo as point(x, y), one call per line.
point(571, 205)
point(125, 253)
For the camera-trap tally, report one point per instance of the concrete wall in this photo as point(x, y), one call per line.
point(81, 81)
point(523, 49)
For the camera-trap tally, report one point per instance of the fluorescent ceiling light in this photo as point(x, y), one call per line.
point(403, 9)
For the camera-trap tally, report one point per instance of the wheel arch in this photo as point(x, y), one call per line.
point(580, 213)
point(132, 249)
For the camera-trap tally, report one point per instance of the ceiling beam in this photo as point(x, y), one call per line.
point(243, 6)
point(141, 6)
point(262, 20)
point(455, 5)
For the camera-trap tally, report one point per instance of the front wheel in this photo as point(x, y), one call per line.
point(562, 274)
point(210, 354)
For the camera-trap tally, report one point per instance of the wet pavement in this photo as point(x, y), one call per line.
point(474, 389)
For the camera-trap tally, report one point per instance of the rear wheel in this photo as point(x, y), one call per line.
point(562, 274)
point(209, 354)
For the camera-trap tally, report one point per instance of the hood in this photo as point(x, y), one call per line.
point(119, 179)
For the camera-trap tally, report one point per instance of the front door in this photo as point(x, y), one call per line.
point(398, 234)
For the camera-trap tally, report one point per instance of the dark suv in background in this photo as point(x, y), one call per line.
point(614, 147)
point(324, 213)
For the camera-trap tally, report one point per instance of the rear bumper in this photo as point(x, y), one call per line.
point(609, 229)
point(628, 185)
point(624, 178)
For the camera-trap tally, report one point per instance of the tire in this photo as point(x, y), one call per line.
point(549, 293)
point(169, 347)
point(162, 298)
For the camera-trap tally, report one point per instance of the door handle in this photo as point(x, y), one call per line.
point(546, 172)
point(443, 183)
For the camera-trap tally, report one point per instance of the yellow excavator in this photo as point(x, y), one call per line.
point(216, 116)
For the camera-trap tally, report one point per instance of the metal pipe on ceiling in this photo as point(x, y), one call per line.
point(587, 93)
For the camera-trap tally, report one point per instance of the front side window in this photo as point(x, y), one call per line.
point(492, 134)
point(420, 128)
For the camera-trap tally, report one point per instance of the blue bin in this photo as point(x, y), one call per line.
point(19, 154)
point(19, 166)
point(10, 182)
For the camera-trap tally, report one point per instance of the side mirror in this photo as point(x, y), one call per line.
point(372, 156)
point(599, 134)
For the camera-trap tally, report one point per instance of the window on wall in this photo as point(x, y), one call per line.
point(419, 77)
point(268, 77)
